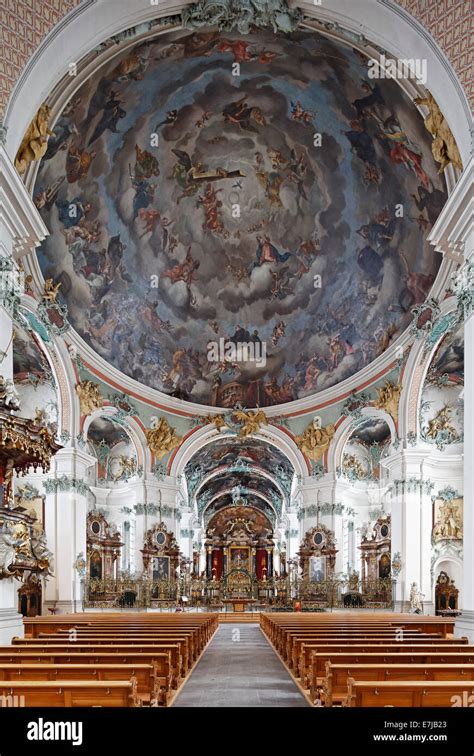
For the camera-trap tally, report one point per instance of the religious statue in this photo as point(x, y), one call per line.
point(217, 420)
point(9, 398)
point(21, 535)
point(7, 550)
point(127, 467)
point(89, 396)
point(250, 421)
point(443, 147)
point(161, 437)
point(441, 425)
point(416, 599)
point(40, 550)
point(354, 581)
point(50, 291)
point(35, 141)
point(353, 468)
point(449, 523)
point(388, 398)
point(314, 441)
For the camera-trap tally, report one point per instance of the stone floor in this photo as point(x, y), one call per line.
point(239, 668)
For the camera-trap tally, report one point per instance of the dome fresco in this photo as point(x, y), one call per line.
point(193, 211)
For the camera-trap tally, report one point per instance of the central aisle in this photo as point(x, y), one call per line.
point(239, 668)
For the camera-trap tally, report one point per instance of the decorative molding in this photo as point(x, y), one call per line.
point(154, 509)
point(242, 15)
point(424, 316)
point(354, 404)
point(448, 494)
point(412, 484)
point(397, 564)
point(463, 288)
point(66, 483)
point(159, 471)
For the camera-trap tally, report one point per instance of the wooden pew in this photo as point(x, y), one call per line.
point(319, 660)
point(205, 623)
point(334, 687)
point(182, 640)
point(81, 653)
point(45, 693)
point(295, 641)
point(417, 693)
point(378, 647)
point(272, 623)
point(149, 688)
point(161, 662)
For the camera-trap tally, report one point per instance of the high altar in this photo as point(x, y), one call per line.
point(239, 549)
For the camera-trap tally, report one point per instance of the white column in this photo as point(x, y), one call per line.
point(21, 230)
point(453, 235)
point(411, 525)
point(66, 518)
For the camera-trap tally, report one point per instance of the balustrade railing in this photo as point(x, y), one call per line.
point(142, 592)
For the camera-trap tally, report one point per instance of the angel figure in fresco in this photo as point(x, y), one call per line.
point(298, 113)
point(418, 284)
point(401, 149)
point(46, 197)
point(296, 172)
point(433, 202)
point(111, 115)
point(271, 182)
point(211, 204)
point(373, 97)
point(280, 283)
point(278, 332)
point(338, 349)
point(184, 272)
point(132, 67)
point(241, 114)
point(78, 162)
point(311, 374)
point(237, 47)
point(362, 142)
point(268, 253)
point(146, 164)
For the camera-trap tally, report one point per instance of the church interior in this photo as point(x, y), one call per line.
point(236, 406)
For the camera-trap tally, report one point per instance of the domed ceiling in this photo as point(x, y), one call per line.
point(285, 207)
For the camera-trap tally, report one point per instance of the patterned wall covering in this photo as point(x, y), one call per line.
point(25, 23)
point(23, 26)
point(450, 23)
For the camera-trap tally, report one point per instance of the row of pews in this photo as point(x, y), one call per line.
point(118, 660)
point(374, 660)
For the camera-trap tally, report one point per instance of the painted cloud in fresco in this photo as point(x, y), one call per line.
point(222, 229)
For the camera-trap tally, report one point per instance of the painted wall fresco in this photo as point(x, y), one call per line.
point(364, 449)
point(220, 225)
point(228, 451)
point(240, 482)
point(442, 405)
